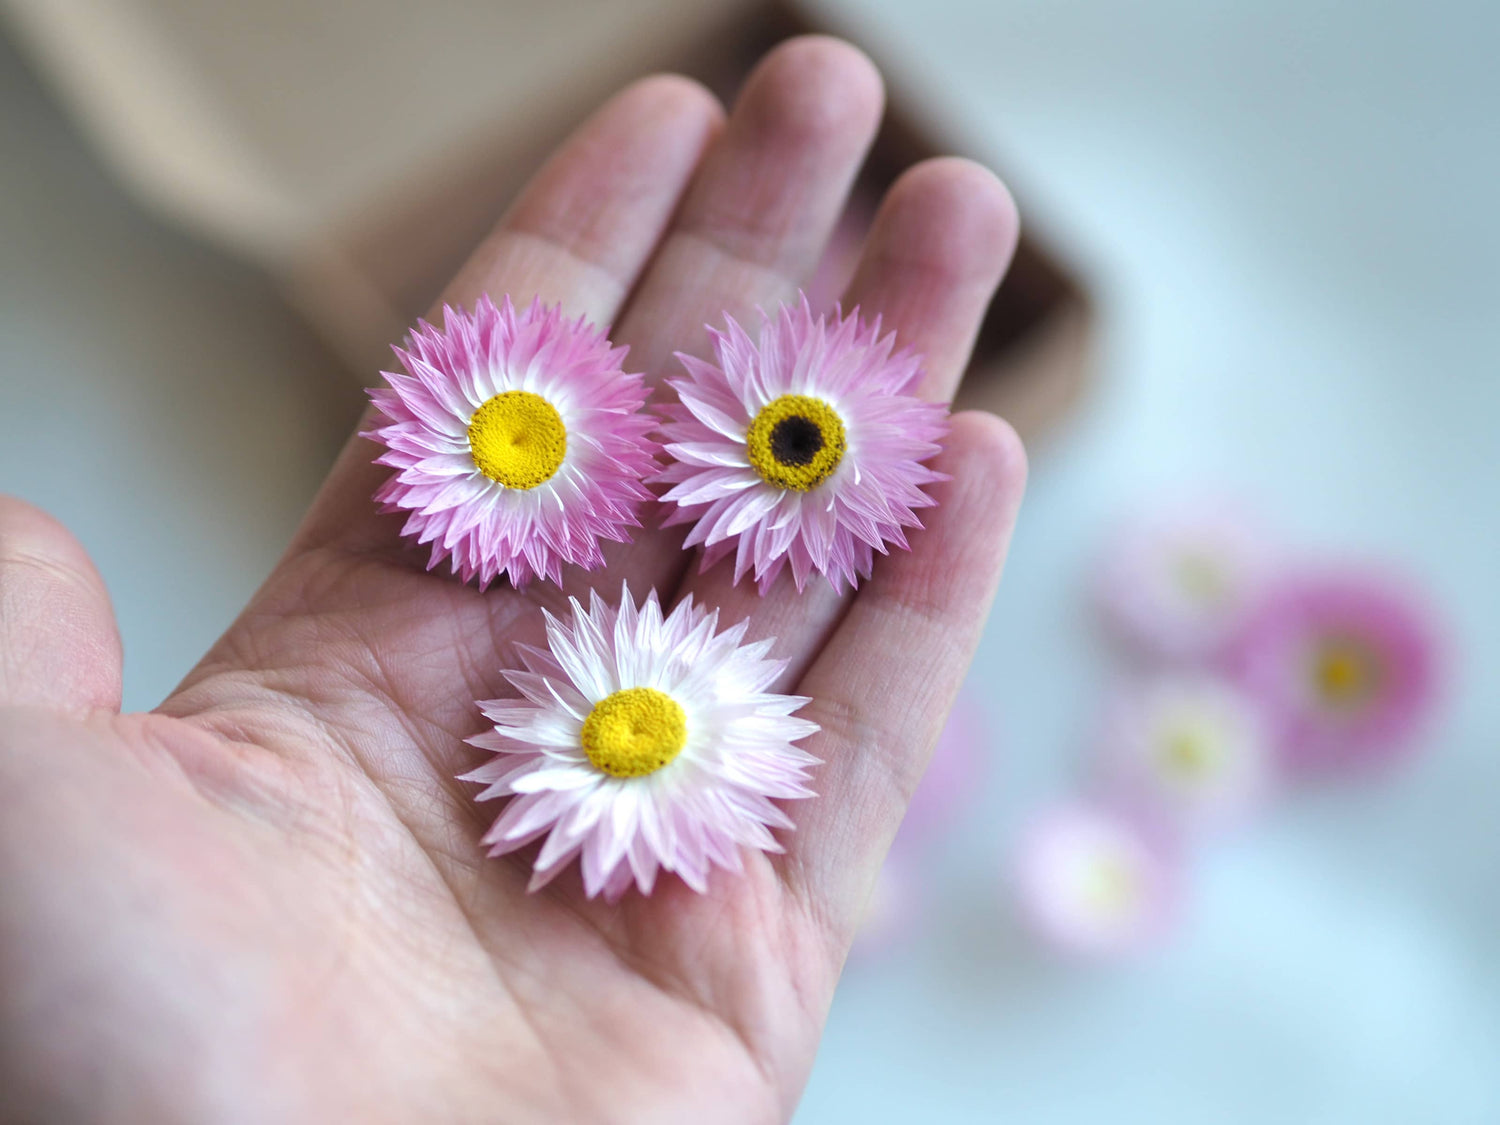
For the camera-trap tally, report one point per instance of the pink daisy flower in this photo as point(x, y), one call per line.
point(1346, 664)
point(643, 742)
point(1093, 882)
point(1189, 750)
point(1177, 584)
point(517, 440)
point(802, 449)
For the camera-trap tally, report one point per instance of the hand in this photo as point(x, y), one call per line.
point(267, 901)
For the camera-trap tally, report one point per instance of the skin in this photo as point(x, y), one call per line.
point(266, 899)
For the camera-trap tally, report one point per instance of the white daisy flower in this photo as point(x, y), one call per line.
point(643, 742)
point(1190, 749)
point(1093, 882)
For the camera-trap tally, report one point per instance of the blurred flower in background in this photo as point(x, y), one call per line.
point(1094, 881)
point(898, 905)
point(954, 779)
point(1345, 663)
point(1249, 674)
point(1243, 673)
point(1176, 583)
point(1189, 750)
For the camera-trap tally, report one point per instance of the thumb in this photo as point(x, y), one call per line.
point(59, 645)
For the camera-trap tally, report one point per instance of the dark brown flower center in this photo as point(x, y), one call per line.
point(796, 440)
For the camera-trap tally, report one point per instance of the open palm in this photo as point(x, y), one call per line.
point(266, 900)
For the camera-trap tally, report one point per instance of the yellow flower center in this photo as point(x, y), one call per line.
point(796, 442)
point(1111, 886)
point(1201, 578)
point(518, 439)
point(1345, 673)
point(1188, 753)
point(634, 732)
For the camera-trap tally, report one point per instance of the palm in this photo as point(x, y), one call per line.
point(268, 897)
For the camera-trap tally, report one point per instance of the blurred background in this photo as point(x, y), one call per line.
point(1263, 262)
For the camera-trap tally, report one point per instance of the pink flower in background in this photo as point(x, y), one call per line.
point(1346, 664)
point(1092, 881)
point(1178, 584)
point(1189, 750)
point(954, 776)
point(948, 790)
point(801, 449)
point(642, 742)
point(517, 441)
point(897, 904)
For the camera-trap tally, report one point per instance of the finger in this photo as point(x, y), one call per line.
point(580, 234)
point(883, 685)
point(59, 645)
point(764, 203)
point(758, 214)
point(936, 252)
point(940, 244)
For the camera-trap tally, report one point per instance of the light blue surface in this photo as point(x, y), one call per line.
point(1287, 212)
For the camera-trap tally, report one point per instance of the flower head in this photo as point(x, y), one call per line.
point(1346, 664)
point(1094, 882)
point(517, 440)
point(1177, 584)
point(802, 449)
point(1190, 750)
point(642, 741)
